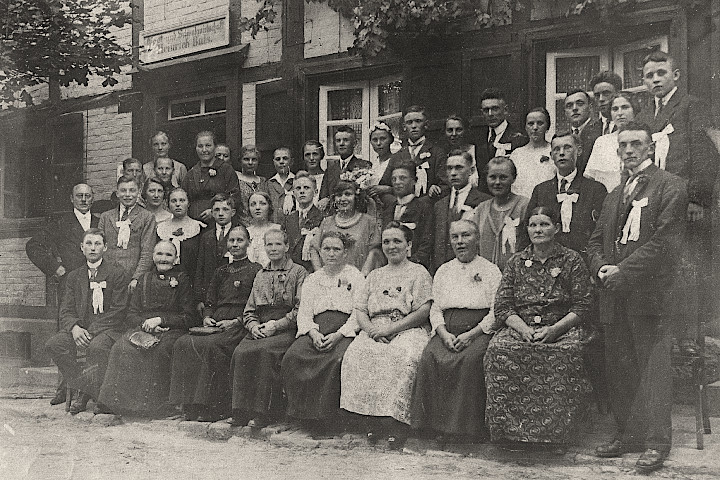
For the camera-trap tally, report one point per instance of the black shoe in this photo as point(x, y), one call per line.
point(650, 460)
point(609, 450)
point(191, 412)
point(79, 403)
point(102, 409)
point(688, 347)
point(239, 418)
point(60, 396)
point(258, 423)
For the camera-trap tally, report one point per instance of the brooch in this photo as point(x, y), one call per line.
point(178, 233)
point(343, 282)
point(555, 271)
point(425, 155)
point(544, 159)
point(173, 282)
point(528, 263)
point(477, 277)
point(396, 315)
point(212, 172)
point(282, 277)
point(392, 292)
point(237, 283)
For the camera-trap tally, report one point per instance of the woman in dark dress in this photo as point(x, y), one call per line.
point(449, 394)
point(270, 316)
point(326, 326)
point(534, 372)
point(201, 364)
point(138, 380)
point(207, 178)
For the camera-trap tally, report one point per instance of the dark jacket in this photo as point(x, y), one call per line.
point(436, 158)
point(419, 215)
point(333, 172)
point(484, 152)
point(293, 228)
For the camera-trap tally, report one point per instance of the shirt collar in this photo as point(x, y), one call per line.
point(570, 177)
point(402, 201)
point(222, 228)
point(500, 129)
point(465, 189)
point(94, 265)
point(581, 127)
point(79, 214)
point(277, 178)
point(420, 141)
point(528, 254)
point(304, 211)
point(123, 208)
point(642, 166)
point(667, 97)
point(287, 266)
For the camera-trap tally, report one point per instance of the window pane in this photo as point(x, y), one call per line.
point(331, 138)
point(632, 65)
point(184, 109)
point(216, 104)
point(345, 104)
point(389, 98)
point(575, 72)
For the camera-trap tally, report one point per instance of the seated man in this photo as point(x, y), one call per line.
point(412, 211)
point(92, 317)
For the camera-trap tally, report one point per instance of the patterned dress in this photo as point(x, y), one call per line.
point(201, 364)
point(245, 191)
point(536, 391)
point(377, 378)
point(138, 380)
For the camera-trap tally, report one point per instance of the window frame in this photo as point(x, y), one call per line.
point(203, 99)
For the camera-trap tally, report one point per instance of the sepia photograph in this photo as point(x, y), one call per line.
point(359, 239)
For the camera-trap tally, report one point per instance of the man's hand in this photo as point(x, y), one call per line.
point(608, 274)
point(60, 271)
point(226, 324)
point(132, 285)
point(206, 216)
point(151, 324)
point(434, 191)
point(209, 322)
point(81, 336)
point(695, 212)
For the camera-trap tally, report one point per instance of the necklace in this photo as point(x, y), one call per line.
point(346, 222)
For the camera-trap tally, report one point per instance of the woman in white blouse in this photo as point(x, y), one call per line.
point(326, 326)
point(449, 395)
point(533, 160)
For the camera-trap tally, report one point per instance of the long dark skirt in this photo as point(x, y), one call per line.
point(535, 391)
point(138, 380)
point(257, 383)
point(312, 378)
point(449, 394)
point(201, 367)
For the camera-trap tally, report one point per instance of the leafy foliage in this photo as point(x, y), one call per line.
point(266, 14)
point(62, 41)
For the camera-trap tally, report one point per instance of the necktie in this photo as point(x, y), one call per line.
point(576, 131)
point(606, 127)
point(563, 185)
point(613, 129)
point(221, 233)
point(629, 187)
point(660, 106)
point(454, 207)
point(343, 164)
point(492, 137)
point(124, 214)
point(93, 273)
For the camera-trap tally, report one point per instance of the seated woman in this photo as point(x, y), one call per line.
point(379, 368)
point(182, 231)
point(449, 395)
point(536, 382)
point(154, 195)
point(261, 211)
point(138, 379)
point(499, 218)
point(326, 325)
point(201, 364)
point(350, 220)
point(270, 318)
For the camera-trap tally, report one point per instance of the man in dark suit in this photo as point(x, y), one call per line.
point(55, 249)
point(632, 252)
point(412, 211)
point(92, 316)
point(605, 85)
point(578, 112)
point(304, 221)
point(497, 137)
point(577, 198)
point(345, 142)
point(429, 159)
point(692, 156)
point(463, 198)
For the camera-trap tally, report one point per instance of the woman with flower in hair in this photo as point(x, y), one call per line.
point(207, 178)
point(380, 365)
point(325, 327)
point(350, 219)
point(534, 369)
point(533, 160)
point(201, 376)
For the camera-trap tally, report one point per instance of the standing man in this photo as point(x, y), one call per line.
point(632, 252)
point(345, 142)
point(280, 185)
point(498, 137)
point(429, 159)
point(92, 317)
point(587, 129)
point(463, 198)
point(578, 199)
point(55, 249)
point(692, 156)
point(605, 85)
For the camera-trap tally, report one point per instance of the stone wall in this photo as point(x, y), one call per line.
point(108, 141)
point(21, 283)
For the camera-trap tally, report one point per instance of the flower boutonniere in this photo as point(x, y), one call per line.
point(343, 282)
point(544, 159)
point(237, 283)
point(282, 277)
point(555, 271)
point(212, 172)
point(178, 233)
point(425, 155)
point(392, 292)
point(396, 315)
point(173, 282)
point(477, 277)
point(528, 263)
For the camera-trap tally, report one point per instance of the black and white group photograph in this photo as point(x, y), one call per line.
point(359, 239)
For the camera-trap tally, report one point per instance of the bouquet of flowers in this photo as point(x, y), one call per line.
point(359, 176)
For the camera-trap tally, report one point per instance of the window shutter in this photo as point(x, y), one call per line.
point(66, 159)
point(274, 123)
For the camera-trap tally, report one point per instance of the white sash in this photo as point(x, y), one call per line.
point(123, 234)
point(508, 234)
point(566, 209)
point(631, 231)
point(98, 299)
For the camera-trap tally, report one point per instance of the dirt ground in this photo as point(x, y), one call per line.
point(42, 442)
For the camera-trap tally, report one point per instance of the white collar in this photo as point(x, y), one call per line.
point(221, 228)
point(500, 129)
point(94, 265)
point(402, 201)
point(79, 214)
point(127, 209)
point(465, 189)
point(304, 211)
point(420, 141)
point(642, 166)
point(667, 97)
point(570, 177)
point(279, 180)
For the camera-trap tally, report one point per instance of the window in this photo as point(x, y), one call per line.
point(196, 107)
point(570, 69)
point(359, 105)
